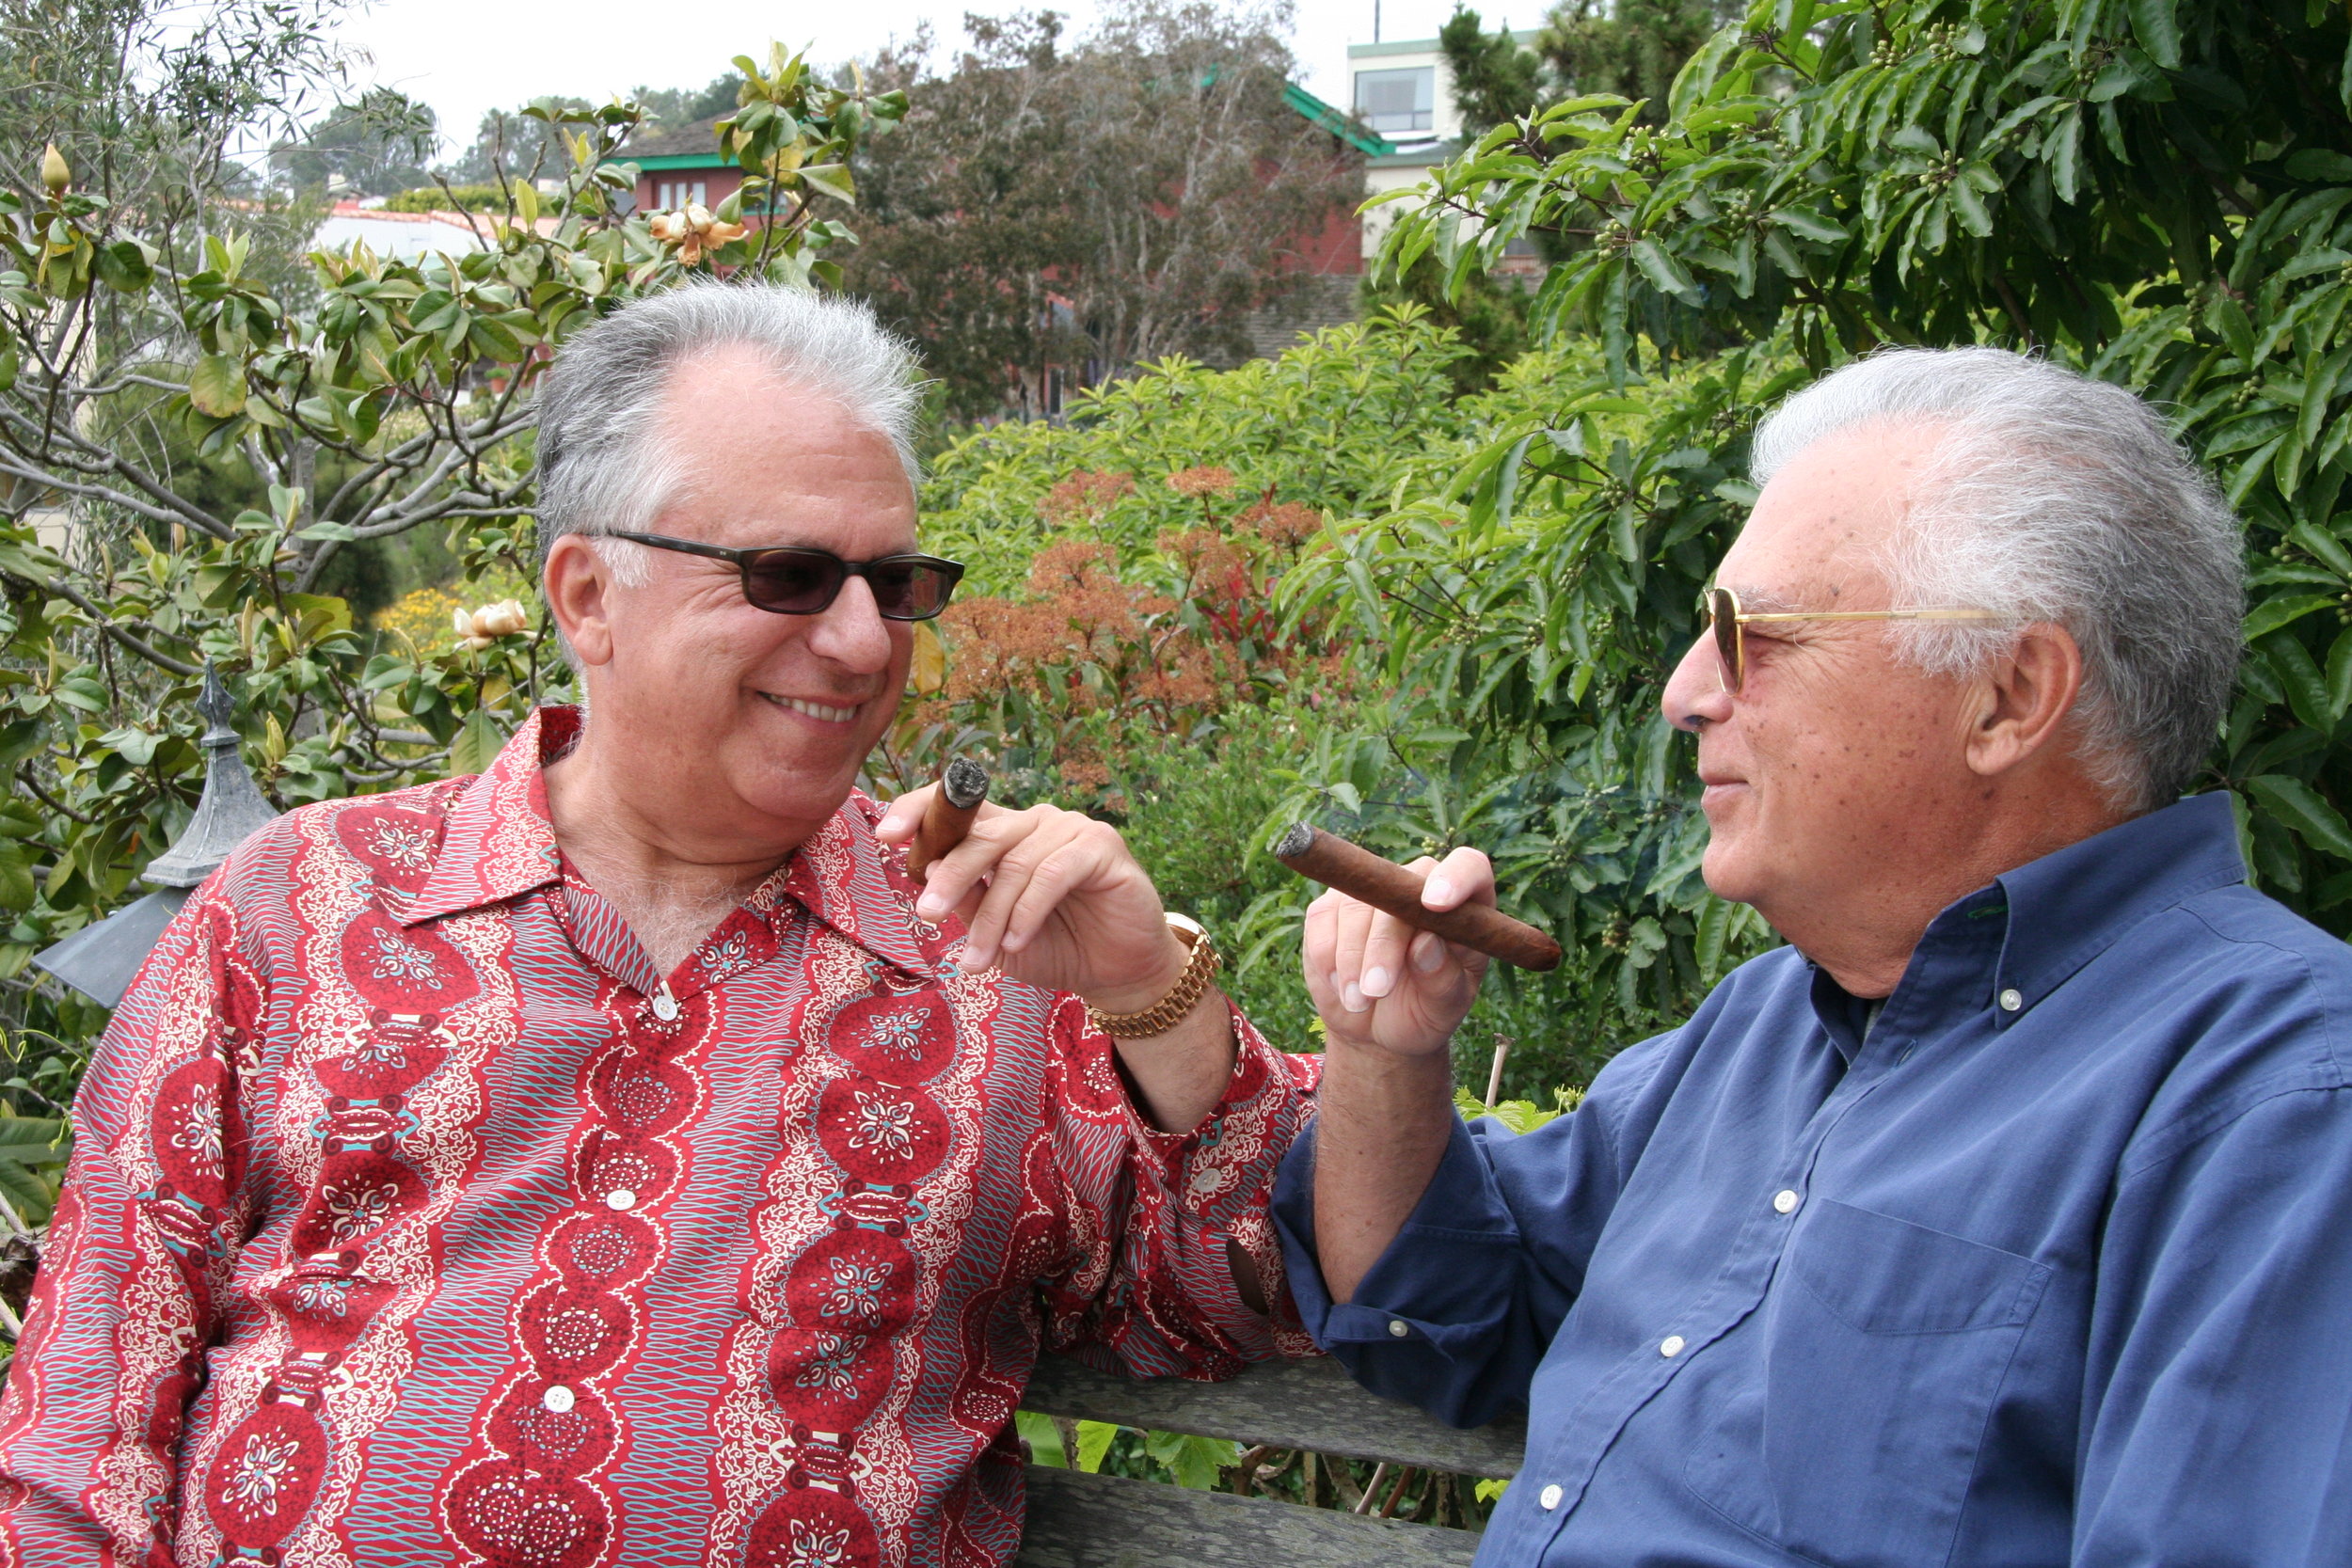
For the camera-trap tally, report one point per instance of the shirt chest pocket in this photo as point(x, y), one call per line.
point(1852, 1403)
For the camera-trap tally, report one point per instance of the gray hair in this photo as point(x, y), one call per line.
point(601, 469)
point(2054, 498)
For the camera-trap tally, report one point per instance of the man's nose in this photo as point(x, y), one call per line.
point(1694, 693)
point(850, 631)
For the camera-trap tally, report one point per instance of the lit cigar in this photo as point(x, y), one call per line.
point(950, 814)
point(1392, 890)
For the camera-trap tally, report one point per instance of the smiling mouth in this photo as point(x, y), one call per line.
point(814, 711)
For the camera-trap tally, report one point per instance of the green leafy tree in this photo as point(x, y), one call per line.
point(375, 145)
point(2160, 191)
point(1630, 48)
point(678, 109)
point(1095, 205)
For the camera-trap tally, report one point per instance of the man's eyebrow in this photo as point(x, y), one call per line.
point(1763, 601)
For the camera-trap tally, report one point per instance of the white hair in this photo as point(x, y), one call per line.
point(2052, 497)
point(601, 468)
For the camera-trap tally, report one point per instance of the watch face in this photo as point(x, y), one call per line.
point(1185, 926)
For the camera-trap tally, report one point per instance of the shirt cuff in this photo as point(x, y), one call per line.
point(1224, 1168)
point(1445, 1287)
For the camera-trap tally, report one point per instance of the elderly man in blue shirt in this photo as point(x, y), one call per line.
point(2005, 1215)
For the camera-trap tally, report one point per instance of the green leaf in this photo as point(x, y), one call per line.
point(477, 745)
point(2306, 689)
point(1043, 1437)
point(1094, 1441)
point(832, 179)
point(2159, 29)
point(2321, 166)
point(1195, 1461)
point(16, 877)
point(2322, 545)
point(2340, 676)
point(2271, 614)
point(1665, 273)
point(2300, 807)
point(216, 387)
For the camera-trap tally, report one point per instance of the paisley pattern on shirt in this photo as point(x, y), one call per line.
point(415, 1220)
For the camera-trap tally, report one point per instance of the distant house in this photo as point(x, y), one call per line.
point(1404, 93)
point(675, 169)
point(680, 169)
point(405, 235)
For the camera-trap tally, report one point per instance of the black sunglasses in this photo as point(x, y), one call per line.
point(798, 580)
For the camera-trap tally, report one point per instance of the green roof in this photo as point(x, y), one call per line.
point(1344, 126)
point(1297, 99)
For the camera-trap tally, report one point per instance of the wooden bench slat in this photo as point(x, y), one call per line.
point(1077, 1520)
point(1309, 1404)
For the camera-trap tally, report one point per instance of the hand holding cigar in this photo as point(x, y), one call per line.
point(1390, 888)
point(950, 814)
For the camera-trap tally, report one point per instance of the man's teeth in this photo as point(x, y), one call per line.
point(815, 710)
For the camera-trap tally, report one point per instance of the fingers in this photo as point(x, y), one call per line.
point(1384, 943)
point(1467, 877)
point(1029, 885)
point(1016, 870)
point(905, 815)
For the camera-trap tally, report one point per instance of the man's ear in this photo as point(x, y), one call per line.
point(2027, 698)
point(578, 586)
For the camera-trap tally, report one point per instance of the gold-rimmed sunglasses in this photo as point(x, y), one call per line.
point(1721, 607)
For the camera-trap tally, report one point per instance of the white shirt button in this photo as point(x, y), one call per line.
point(620, 1197)
point(1399, 1327)
point(558, 1399)
point(1785, 1200)
point(1550, 1498)
point(665, 1008)
point(2011, 1000)
point(1671, 1346)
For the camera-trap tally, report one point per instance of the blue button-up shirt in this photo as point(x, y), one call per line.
point(2050, 1264)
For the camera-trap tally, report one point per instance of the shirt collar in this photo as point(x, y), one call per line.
point(497, 838)
point(2029, 929)
point(2067, 908)
point(498, 842)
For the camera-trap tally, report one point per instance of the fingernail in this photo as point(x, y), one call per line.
point(931, 909)
point(1429, 957)
point(1436, 889)
point(1377, 981)
point(1352, 997)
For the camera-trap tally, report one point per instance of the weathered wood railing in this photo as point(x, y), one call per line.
point(1079, 1520)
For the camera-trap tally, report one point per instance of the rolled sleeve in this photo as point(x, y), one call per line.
point(1151, 1284)
point(1458, 1312)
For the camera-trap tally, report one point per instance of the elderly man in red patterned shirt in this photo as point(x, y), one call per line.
point(617, 1158)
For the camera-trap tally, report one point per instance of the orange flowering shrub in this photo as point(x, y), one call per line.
point(1203, 481)
point(1084, 497)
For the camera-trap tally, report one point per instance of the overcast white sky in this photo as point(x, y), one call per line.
point(465, 57)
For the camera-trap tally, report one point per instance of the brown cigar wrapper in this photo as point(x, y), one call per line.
point(955, 806)
point(1390, 888)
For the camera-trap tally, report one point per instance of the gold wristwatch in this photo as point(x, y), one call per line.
point(1168, 1010)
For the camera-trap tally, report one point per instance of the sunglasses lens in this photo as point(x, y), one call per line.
point(1723, 607)
point(793, 582)
point(909, 590)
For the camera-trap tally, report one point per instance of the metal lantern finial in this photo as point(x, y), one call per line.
point(101, 960)
point(231, 807)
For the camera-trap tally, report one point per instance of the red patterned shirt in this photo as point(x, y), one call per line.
point(416, 1221)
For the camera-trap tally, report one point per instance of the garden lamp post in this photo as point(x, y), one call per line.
point(100, 960)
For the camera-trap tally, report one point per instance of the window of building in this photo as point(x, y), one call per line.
point(670, 194)
point(1403, 99)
